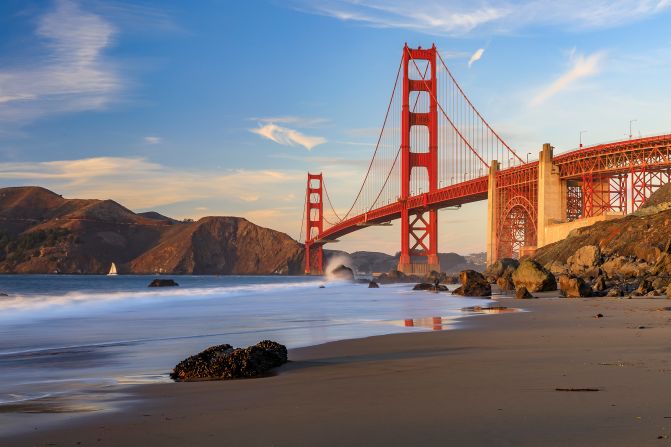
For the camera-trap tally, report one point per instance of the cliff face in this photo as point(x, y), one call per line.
point(41, 232)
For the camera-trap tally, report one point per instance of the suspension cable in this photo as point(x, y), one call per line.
point(445, 114)
point(377, 146)
point(476, 110)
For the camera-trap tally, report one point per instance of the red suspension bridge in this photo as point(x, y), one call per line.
point(435, 150)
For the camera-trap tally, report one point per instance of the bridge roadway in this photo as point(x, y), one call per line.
point(622, 157)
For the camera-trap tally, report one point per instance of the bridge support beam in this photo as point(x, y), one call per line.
point(419, 229)
point(552, 195)
point(314, 220)
point(492, 214)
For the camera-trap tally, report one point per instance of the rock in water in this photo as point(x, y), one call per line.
point(342, 272)
point(373, 285)
point(574, 287)
point(473, 284)
point(223, 362)
point(163, 283)
point(435, 287)
point(534, 277)
point(523, 294)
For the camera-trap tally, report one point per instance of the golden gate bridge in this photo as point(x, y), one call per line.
point(435, 150)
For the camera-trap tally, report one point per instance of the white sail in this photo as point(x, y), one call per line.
point(112, 270)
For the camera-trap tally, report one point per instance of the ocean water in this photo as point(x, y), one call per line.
point(62, 337)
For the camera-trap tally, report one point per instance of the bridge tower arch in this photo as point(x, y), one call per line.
point(419, 228)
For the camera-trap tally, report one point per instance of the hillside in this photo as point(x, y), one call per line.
point(641, 236)
point(42, 232)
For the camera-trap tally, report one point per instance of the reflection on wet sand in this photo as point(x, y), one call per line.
point(433, 323)
point(489, 309)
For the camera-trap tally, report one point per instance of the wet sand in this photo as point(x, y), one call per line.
point(493, 382)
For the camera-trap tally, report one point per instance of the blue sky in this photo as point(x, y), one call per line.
point(221, 107)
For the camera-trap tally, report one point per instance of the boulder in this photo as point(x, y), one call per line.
point(435, 287)
point(661, 282)
point(644, 287)
point(501, 268)
point(585, 258)
point(225, 362)
point(505, 284)
point(668, 292)
point(343, 273)
point(523, 294)
point(473, 284)
point(163, 283)
point(373, 285)
point(614, 292)
point(574, 287)
point(621, 267)
point(599, 284)
point(556, 268)
point(534, 277)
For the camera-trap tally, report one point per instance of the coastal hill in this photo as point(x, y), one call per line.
point(42, 232)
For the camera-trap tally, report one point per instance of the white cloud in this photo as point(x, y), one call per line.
point(581, 67)
point(476, 56)
point(152, 140)
point(297, 121)
point(72, 75)
point(458, 17)
point(287, 137)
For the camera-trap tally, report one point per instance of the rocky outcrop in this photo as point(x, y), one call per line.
point(224, 362)
point(503, 268)
point(574, 287)
point(431, 287)
point(373, 285)
point(534, 277)
point(163, 283)
point(523, 294)
point(586, 259)
point(505, 284)
point(473, 284)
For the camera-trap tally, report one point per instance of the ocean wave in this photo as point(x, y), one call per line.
point(14, 304)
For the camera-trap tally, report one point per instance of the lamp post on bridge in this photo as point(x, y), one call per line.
point(630, 123)
point(582, 132)
point(528, 153)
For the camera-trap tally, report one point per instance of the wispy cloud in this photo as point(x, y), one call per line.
point(73, 74)
point(459, 17)
point(476, 56)
point(286, 136)
point(297, 121)
point(152, 140)
point(581, 67)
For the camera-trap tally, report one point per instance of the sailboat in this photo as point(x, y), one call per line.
point(112, 271)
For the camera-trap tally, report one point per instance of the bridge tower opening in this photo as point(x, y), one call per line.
point(419, 228)
point(314, 220)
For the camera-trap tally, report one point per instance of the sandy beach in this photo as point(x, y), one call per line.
point(498, 380)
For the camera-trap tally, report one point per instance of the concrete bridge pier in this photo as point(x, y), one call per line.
point(492, 214)
point(552, 196)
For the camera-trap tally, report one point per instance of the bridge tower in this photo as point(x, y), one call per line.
point(419, 229)
point(314, 219)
